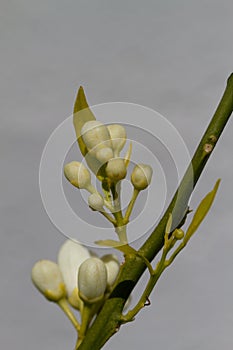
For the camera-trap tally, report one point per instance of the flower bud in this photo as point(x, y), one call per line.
point(104, 154)
point(178, 234)
point(75, 300)
point(95, 133)
point(116, 169)
point(47, 277)
point(92, 280)
point(95, 201)
point(141, 176)
point(113, 266)
point(70, 256)
point(78, 175)
point(118, 137)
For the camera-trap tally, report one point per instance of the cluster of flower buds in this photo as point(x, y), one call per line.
point(104, 144)
point(78, 276)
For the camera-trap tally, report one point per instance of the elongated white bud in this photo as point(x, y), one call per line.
point(47, 277)
point(95, 133)
point(70, 256)
point(118, 137)
point(113, 266)
point(116, 169)
point(96, 201)
point(78, 175)
point(92, 280)
point(141, 176)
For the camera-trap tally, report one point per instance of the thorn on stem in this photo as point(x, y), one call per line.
point(147, 303)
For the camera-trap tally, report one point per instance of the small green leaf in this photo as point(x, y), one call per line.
point(126, 249)
point(201, 212)
point(108, 243)
point(167, 230)
point(81, 115)
point(128, 155)
point(169, 224)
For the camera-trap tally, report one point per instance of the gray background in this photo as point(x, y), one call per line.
point(172, 56)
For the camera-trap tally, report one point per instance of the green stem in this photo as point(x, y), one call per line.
point(108, 217)
point(144, 298)
point(65, 307)
point(130, 206)
point(109, 319)
point(120, 227)
point(86, 318)
point(154, 276)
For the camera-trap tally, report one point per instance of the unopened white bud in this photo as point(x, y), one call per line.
point(95, 201)
point(141, 176)
point(118, 137)
point(70, 256)
point(95, 133)
point(47, 277)
point(77, 174)
point(92, 280)
point(113, 266)
point(116, 169)
point(104, 154)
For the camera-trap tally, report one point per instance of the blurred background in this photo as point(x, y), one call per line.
point(171, 56)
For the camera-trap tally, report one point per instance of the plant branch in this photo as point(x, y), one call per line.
point(109, 319)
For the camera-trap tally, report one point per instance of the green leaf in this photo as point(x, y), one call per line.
point(81, 115)
point(167, 230)
point(124, 248)
point(201, 212)
point(128, 155)
point(108, 243)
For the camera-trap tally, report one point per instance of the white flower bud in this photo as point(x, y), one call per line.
point(78, 175)
point(113, 266)
point(118, 137)
point(116, 169)
point(141, 176)
point(92, 280)
point(95, 201)
point(70, 256)
point(104, 154)
point(95, 133)
point(47, 277)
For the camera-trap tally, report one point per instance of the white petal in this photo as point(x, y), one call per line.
point(71, 255)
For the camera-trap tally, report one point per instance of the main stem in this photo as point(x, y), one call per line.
point(109, 319)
